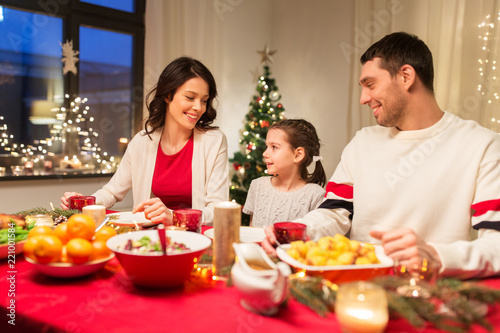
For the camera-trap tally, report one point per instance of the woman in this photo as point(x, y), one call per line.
point(179, 160)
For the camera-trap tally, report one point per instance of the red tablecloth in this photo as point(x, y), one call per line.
point(108, 302)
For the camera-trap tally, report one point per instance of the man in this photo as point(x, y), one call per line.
point(420, 180)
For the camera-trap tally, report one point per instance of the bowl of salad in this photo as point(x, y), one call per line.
point(142, 258)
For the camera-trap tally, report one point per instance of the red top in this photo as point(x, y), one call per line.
point(172, 181)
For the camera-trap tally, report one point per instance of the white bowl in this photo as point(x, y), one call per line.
point(160, 271)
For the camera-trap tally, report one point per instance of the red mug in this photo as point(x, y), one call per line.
point(79, 201)
point(287, 232)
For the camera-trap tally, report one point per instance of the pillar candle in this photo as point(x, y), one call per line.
point(227, 222)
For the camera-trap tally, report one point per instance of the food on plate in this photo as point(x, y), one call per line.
point(81, 226)
point(333, 251)
point(78, 250)
point(61, 231)
point(146, 246)
point(40, 230)
point(14, 231)
point(7, 219)
point(47, 249)
point(105, 233)
point(100, 250)
point(74, 241)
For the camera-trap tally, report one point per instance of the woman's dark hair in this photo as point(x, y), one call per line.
point(301, 133)
point(173, 76)
point(401, 48)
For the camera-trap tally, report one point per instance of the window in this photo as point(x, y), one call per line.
point(103, 63)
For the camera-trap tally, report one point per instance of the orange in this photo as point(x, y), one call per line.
point(61, 231)
point(40, 230)
point(79, 250)
point(29, 246)
point(47, 249)
point(105, 233)
point(80, 226)
point(99, 250)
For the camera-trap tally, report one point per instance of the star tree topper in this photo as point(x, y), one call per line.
point(266, 55)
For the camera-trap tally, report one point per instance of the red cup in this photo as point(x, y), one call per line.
point(188, 218)
point(80, 201)
point(287, 232)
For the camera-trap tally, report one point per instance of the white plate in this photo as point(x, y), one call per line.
point(247, 234)
point(68, 270)
point(127, 219)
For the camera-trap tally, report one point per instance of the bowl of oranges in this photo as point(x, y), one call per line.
point(71, 249)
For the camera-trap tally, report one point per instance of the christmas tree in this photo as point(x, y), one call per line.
point(264, 110)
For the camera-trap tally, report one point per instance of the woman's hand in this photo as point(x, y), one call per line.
point(406, 247)
point(268, 242)
point(65, 201)
point(155, 211)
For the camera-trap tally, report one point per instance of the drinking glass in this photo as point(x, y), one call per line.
point(287, 232)
point(419, 277)
point(80, 201)
point(188, 218)
point(361, 307)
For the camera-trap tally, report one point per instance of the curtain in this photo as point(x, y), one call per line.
point(462, 36)
point(178, 28)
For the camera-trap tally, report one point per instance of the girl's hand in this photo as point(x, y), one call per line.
point(155, 211)
point(268, 242)
point(65, 201)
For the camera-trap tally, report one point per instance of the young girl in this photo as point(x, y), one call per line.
point(291, 191)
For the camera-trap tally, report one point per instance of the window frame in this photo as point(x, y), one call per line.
point(75, 14)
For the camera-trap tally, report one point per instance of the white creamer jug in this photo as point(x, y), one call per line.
point(261, 282)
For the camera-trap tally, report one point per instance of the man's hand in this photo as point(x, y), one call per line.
point(406, 248)
point(155, 211)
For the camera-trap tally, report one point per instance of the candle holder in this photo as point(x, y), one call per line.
point(190, 219)
point(79, 201)
point(419, 276)
point(287, 232)
point(361, 307)
point(17, 170)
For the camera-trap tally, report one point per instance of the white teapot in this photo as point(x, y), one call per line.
point(262, 283)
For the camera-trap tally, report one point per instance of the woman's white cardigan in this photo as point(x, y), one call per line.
point(210, 174)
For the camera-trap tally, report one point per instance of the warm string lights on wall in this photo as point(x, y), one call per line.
point(488, 72)
point(73, 128)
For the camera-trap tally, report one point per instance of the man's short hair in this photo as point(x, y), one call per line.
point(401, 48)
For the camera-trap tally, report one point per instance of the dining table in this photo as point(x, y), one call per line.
point(107, 301)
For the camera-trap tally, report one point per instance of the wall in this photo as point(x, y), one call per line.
point(19, 195)
point(310, 71)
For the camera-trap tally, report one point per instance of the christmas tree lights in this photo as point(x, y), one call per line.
point(264, 110)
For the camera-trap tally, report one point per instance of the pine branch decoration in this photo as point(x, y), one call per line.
point(54, 213)
point(454, 305)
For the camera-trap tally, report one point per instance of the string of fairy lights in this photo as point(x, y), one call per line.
point(487, 68)
point(74, 119)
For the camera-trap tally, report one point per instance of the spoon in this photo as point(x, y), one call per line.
point(163, 238)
